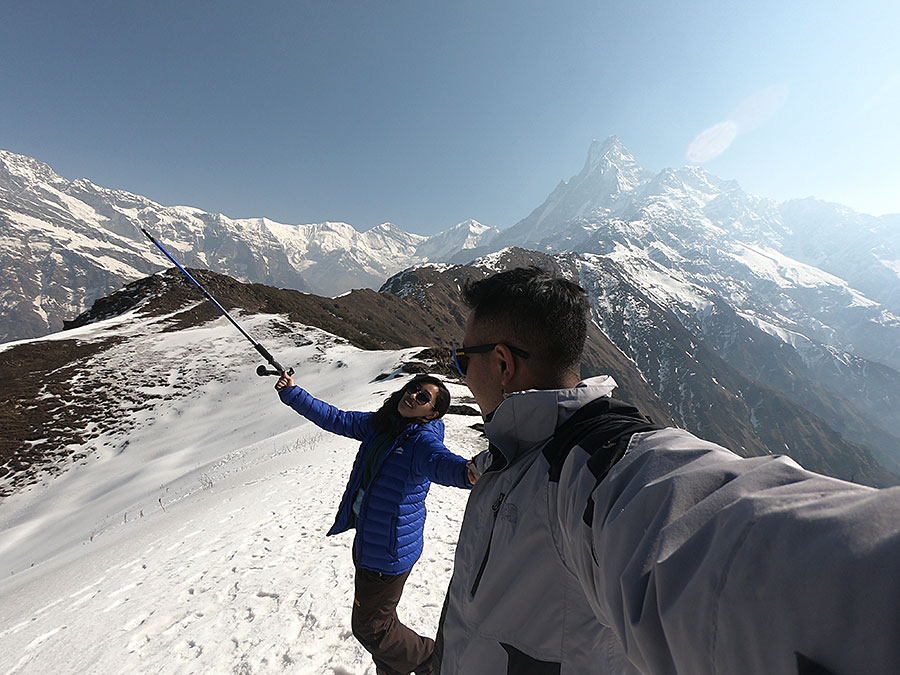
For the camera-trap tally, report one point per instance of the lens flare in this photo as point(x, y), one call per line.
point(712, 142)
point(751, 113)
point(756, 110)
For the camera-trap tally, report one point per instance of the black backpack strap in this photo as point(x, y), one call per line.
point(599, 427)
point(603, 428)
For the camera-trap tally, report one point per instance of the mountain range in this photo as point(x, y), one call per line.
point(64, 244)
point(767, 327)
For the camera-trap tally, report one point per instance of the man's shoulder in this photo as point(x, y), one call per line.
point(601, 427)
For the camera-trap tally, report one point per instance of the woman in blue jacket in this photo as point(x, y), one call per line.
point(401, 454)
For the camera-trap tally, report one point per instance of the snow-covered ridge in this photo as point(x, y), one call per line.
point(465, 236)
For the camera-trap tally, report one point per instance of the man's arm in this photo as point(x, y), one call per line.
point(701, 561)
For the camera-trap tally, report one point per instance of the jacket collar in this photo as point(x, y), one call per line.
point(527, 419)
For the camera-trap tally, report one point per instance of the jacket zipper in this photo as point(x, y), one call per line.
point(495, 507)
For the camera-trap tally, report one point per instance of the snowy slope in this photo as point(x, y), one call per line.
point(193, 537)
point(861, 249)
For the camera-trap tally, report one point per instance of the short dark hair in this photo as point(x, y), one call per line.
point(541, 313)
point(388, 420)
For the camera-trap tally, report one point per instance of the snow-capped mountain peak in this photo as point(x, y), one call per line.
point(459, 240)
point(606, 182)
point(67, 243)
point(611, 156)
point(26, 170)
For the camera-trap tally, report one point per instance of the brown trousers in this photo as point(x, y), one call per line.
point(395, 649)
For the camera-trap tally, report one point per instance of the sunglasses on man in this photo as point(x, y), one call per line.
point(461, 355)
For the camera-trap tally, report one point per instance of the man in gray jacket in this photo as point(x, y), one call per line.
point(649, 550)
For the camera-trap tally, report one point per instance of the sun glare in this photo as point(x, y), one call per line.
point(711, 143)
point(749, 114)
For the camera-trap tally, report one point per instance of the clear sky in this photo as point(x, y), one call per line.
point(428, 113)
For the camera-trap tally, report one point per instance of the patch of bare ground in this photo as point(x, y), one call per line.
point(45, 413)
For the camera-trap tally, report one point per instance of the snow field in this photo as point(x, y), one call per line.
point(201, 548)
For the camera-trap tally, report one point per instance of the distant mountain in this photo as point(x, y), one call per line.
point(457, 243)
point(740, 273)
point(334, 257)
point(862, 249)
point(64, 244)
point(685, 233)
point(609, 177)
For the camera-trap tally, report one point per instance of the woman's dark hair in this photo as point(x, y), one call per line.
point(534, 310)
point(387, 419)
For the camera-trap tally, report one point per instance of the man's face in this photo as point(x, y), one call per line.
point(483, 373)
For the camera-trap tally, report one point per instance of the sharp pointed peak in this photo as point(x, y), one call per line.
point(606, 152)
point(611, 142)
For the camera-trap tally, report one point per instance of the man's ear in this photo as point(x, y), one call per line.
point(506, 364)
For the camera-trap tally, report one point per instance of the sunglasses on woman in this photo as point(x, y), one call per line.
point(421, 396)
point(461, 355)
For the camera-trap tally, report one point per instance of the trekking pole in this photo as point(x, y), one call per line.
point(261, 370)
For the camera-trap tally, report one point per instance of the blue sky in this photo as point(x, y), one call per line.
point(428, 113)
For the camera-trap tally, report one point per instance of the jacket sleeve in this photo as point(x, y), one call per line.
point(342, 422)
point(703, 561)
point(434, 460)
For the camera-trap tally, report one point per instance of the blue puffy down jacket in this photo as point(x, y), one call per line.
point(392, 514)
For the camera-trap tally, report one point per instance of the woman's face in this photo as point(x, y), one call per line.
point(418, 400)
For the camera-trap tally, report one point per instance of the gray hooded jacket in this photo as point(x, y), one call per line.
point(684, 558)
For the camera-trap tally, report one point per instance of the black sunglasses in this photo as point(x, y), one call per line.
point(461, 355)
point(422, 397)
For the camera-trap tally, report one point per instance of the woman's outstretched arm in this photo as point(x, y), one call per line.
point(322, 414)
point(441, 466)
